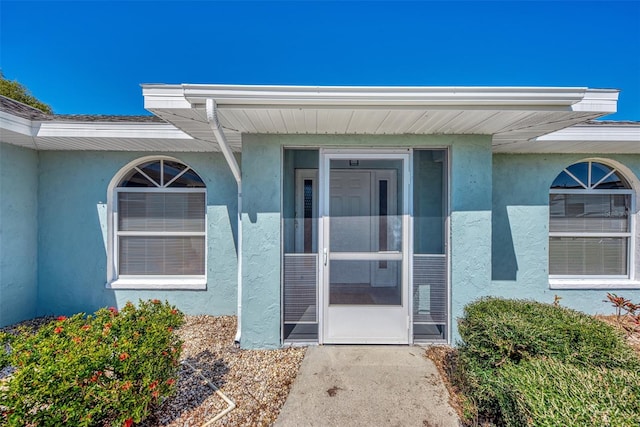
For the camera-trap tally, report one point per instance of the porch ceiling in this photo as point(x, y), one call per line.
point(513, 115)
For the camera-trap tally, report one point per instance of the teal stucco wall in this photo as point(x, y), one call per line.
point(18, 233)
point(72, 247)
point(521, 225)
point(470, 224)
point(261, 243)
point(53, 218)
point(262, 197)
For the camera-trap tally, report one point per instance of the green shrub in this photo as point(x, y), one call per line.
point(496, 330)
point(549, 393)
point(499, 333)
point(5, 340)
point(104, 369)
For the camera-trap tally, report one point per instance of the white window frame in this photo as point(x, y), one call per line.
point(118, 281)
point(627, 281)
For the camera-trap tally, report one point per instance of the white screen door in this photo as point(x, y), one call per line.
point(364, 225)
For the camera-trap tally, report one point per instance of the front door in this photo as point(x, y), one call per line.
point(364, 269)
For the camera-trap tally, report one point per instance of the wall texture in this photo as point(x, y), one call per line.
point(53, 218)
point(72, 215)
point(262, 169)
point(261, 254)
point(470, 224)
point(18, 233)
point(521, 225)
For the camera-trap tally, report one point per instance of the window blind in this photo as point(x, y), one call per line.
point(161, 211)
point(160, 214)
point(594, 213)
point(588, 256)
point(161, 255)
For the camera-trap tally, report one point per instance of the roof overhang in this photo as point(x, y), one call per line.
point(586, 138)
point(520, 119)
point(509, 114)
point(92, 135)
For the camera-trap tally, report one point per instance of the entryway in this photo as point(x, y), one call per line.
point(365, 246)
point(364, 217)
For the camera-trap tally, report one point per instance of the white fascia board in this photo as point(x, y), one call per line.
point(332, 96)
point(164, 96)
point(603, 100)
point(604, 133)
point(580, 99)
point(17, 124)
point(153, 103)
point(111, 130)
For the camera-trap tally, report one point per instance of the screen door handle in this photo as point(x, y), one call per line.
point(326, 256)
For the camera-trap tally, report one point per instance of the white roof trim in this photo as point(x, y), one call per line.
point(615, 138)
point(605, 100)
point(16, 124)
point(227, 96)
point(596, 132)
point(110, 130)
point(512, 115)
point(93, 135)
point(521, 119)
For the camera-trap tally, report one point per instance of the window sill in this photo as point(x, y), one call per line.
point(593, 284)
point(161, 284)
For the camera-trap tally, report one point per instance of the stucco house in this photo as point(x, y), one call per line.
point(321, 214)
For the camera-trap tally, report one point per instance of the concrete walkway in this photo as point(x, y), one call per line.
point(367, 386)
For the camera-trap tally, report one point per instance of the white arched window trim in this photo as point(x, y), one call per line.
point(117, 281)
point(632, 280)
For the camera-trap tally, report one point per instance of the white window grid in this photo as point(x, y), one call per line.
point(591, 188)
point(160, 187)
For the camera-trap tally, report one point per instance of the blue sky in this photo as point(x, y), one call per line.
point(90, 57)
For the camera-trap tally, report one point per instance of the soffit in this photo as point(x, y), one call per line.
point(510, 115)
point(17, 138)
point(99, 136)
point(587, 138)
point(521, 120)
point(26, 126)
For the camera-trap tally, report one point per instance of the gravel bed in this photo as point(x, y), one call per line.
point(258, 381)
point(632, 335)
point(31, 325)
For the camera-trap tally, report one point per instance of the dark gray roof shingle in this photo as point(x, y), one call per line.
point(106, 118)
point(613, 122)
point(19, 109)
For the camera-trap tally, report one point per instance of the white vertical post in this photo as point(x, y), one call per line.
point(212, 117)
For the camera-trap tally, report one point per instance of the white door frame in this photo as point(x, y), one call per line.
point(326, 155)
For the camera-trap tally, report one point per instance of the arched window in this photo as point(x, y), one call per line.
point(159, 228)
point(590, 223)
